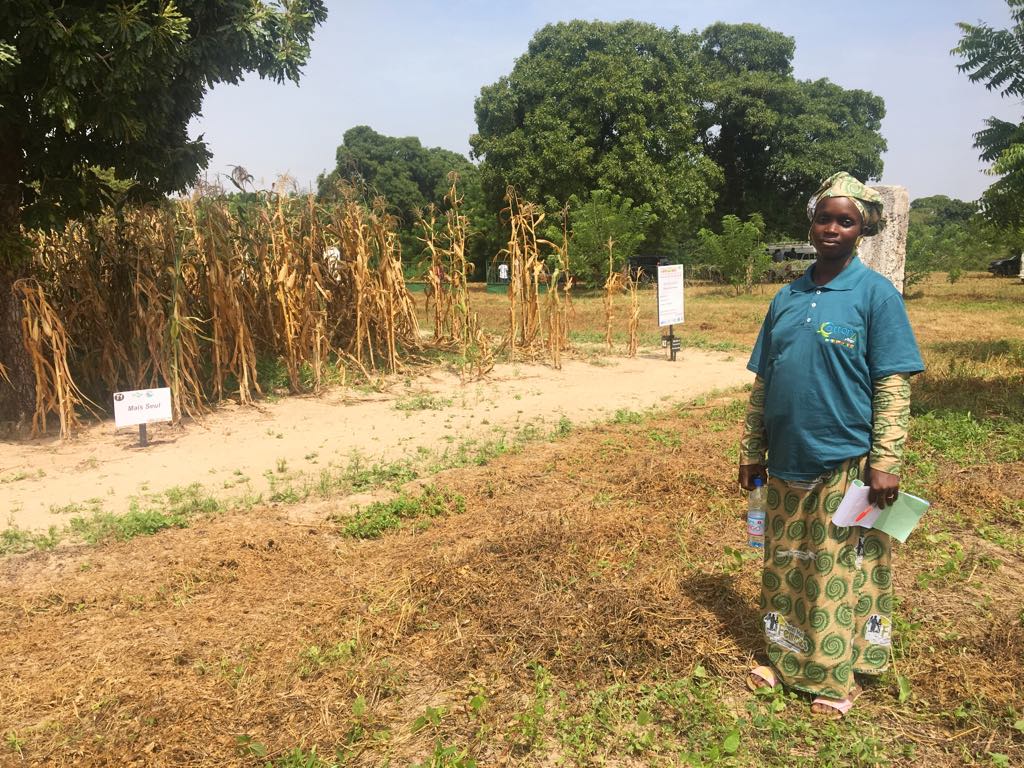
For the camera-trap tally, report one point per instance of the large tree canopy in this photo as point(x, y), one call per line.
point(995, 57)
point(677, 121)
point(93, 90)
point(596, 105)
point(114, 85)
point(952, 236)
point(774, 137)
point(405, 172)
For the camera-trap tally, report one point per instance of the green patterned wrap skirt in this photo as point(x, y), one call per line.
point(826, 592)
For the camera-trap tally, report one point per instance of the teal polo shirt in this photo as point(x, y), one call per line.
point(819, 350)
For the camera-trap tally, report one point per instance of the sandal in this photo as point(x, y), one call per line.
point(837, 708)
point(761, 678)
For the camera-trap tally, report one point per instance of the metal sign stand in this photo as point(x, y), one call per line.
point(143, 442)
point(674, 344)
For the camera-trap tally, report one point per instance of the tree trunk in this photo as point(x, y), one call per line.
point(17, 397)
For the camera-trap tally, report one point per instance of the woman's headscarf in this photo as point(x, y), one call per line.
point(867, 200)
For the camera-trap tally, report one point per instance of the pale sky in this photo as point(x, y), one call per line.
point(415, 67)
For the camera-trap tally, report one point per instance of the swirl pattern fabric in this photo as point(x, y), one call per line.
point(754, 442)
point(826, 592)
point(867, 200)
point(890, 416)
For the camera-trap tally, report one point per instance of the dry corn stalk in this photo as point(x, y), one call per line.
point(632, 287)
point(558, 299)
point(194, 294)
point(612, 286)
point(526, 272)
point(454, 321)
point(46, 341)
point(232, 346)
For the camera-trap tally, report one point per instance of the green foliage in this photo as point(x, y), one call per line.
point(738, 253)
point(599, 105)
point(447, 757)
point(89, 86)
point(602, 218)
point(995, 57)
point(774, 137)
point(174, 508)
point(14, 540)
point(382, 516)
point(315, 659)
point(951, 236)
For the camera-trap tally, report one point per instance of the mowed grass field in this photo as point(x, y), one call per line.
point(579, 597)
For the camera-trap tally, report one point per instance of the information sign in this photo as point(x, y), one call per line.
point(670, 295)
point(142, 406)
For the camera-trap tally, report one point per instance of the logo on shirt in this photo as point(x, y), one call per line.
point(834, 333)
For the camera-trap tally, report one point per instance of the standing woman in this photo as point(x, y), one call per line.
point(830, 403)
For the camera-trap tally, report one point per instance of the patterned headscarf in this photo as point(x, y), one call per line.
point(867, 200)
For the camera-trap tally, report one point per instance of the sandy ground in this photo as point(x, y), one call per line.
point(45, 482)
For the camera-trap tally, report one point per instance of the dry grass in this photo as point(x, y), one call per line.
point(555, 620)
point(598, 559)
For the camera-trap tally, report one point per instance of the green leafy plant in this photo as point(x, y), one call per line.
point(379, 517)
point(738, 252)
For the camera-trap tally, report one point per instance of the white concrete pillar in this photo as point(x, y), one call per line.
point(886, 252)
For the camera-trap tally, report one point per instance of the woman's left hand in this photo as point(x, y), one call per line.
point(883, 489)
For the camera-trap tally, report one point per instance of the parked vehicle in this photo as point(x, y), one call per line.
point(790, 251)
point(1006, 267)
point(645, 267)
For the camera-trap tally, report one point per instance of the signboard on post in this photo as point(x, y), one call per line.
point(141, 407)
point(670, 295)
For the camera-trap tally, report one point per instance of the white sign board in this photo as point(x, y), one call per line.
point(670, 295)
point(141, 406)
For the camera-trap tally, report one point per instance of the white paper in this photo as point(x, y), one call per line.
point(855, 508)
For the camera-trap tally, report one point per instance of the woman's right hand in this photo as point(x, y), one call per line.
point(747, 474)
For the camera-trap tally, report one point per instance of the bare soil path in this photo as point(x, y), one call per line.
point(44, 482)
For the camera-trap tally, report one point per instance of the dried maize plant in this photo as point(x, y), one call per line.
point(632, 289)
point(46, 341)
point(456, 230)
point(90, 291)
point(310, 295)
point(191, 295)
point(612, 286)
point(315, 334)
point(395, 325)
point(184, 357)
point(474, 345)
point(375, 316)
point(438, 296)
point(526, 271)
point(558, 299)
point(288, 289)
point(447, 276)
point(165, 333)
point(228, 289)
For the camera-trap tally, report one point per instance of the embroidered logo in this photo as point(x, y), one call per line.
point(781, 632)
point(878, 630)
point(799, 554)
point(834, 333)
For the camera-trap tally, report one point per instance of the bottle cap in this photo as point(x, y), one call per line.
point(758, 482)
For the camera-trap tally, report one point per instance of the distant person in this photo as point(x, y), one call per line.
point(503, 272)
point(830, 403)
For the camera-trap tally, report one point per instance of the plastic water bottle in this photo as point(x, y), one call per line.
point(756, 514)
